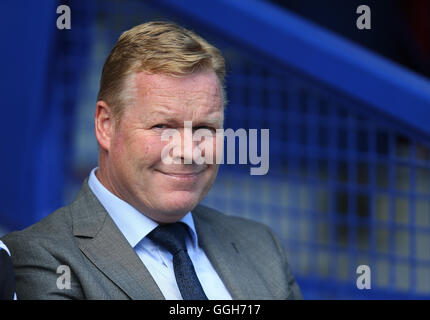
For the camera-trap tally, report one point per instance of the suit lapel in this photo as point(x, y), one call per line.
point(229, 260)
point(104, 245)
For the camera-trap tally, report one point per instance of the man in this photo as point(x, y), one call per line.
point(7, 277)
point(135, 230)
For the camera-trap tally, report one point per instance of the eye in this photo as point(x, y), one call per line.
point(205, 127)
point(159, 126)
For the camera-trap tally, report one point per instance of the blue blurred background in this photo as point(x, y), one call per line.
point(347, 109)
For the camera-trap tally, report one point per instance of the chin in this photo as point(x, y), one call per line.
point(179, 203)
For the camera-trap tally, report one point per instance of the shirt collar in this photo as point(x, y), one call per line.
point(133, 224)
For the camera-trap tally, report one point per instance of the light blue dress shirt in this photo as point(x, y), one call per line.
point(135, 226)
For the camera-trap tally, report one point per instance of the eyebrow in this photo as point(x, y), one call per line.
point(169, 117)
point(156, 115)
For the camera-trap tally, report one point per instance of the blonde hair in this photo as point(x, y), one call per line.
point(155, 47)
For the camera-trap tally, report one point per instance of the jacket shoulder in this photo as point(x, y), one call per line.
point(56, 225)
point(38, 251)
point(262, 248)
point(49, 237)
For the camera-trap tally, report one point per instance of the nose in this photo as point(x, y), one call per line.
point(193, 152)
point(182, 151)
point(187, 145)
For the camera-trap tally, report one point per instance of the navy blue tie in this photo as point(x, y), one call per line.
point(172, 238)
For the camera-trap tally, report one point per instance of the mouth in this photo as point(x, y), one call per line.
point(183, 176)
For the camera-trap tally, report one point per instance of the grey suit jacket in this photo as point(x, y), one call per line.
point(247, 256)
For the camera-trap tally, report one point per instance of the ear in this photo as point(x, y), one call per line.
point(104, 125)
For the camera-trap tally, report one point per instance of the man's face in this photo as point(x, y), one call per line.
point(137, 174)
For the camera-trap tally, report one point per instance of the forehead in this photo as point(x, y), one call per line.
point(198, 93)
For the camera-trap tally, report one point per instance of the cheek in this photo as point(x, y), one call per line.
point(150, 148)
point(211, 147)
point(218, 147)
point(134, 152)
point(118, 148)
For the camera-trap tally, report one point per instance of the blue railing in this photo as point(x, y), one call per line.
point(298, 44)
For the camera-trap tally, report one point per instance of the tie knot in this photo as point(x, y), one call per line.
point(170, 236)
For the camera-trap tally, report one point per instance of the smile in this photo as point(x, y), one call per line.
point(182, 176)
